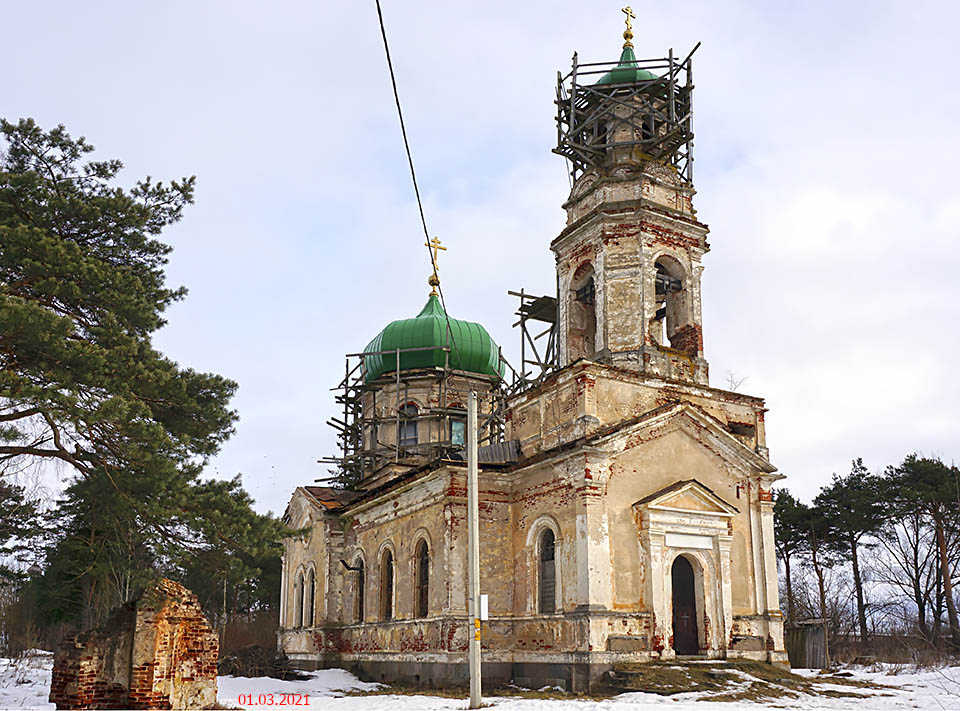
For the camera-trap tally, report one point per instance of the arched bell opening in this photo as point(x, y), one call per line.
point(671, 322)
point(582, 314)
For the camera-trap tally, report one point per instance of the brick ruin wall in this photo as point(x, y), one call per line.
point(156, 652)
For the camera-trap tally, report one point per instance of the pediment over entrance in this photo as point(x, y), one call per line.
point(687, 496)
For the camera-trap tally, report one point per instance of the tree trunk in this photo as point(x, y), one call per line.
point(920, 601)
point(858, 584)
point(936, 604)
point(947, 583)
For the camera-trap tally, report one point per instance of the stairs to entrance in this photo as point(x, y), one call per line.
point(674, 677)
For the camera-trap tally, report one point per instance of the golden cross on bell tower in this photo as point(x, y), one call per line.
point(628, 33)
point(434, 245)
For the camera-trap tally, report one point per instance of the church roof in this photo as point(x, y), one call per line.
point(627, 70)
point(471, 347)
point(330, 498)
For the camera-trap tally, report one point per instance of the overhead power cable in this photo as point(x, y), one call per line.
point(413, 174)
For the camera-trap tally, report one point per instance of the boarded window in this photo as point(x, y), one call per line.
point(311, 589)
point(361, 582)
point(547, 573)
point(386, 587)
point(423, 579)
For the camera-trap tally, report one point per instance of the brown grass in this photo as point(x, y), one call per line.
point(723, 682)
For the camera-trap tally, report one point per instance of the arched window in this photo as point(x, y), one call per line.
point(386, 586)
point(298, 600)
point(407, 421)
point(547, 578)
point(422, 587)
point(310, 592)
point(582, 314)
point(361, 585)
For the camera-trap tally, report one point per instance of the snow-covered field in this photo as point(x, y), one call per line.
point(24, 684)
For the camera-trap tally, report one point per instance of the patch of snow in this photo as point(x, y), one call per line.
point(25, 684)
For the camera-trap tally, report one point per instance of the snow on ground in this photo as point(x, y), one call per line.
point(25, 683)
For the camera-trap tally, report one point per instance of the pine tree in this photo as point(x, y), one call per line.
point(82, 290)
point(791, 518)
point(854, 506)
point(929, 486)
point(18, 523)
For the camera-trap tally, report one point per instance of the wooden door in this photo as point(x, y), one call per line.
point(685, 637)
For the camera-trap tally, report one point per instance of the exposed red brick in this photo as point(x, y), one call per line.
point(159, 641)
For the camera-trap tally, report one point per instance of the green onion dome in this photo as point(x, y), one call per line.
point(627, 70)
point(471, 347)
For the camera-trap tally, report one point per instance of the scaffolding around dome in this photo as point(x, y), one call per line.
point(639, 107)
point(362, 453)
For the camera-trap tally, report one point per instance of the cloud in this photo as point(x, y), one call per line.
point(825, 167)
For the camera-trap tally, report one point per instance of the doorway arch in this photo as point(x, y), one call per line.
point(686, 605)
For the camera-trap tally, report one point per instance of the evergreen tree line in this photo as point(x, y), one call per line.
point(86, 398)
point(876, 554)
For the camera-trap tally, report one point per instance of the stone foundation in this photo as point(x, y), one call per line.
point(155, 652)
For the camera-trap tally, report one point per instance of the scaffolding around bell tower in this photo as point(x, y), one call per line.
point(640, 106)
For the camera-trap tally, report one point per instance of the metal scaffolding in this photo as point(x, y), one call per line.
point(361, 426)
point(545, 359)
point(654, 116)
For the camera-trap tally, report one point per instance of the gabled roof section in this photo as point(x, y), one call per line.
point(725, 443)
point(688, 495)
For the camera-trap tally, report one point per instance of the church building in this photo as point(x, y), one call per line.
point(625, 505)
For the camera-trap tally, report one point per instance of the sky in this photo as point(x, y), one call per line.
point(826, 154)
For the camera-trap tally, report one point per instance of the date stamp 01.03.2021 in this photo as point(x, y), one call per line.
point(274, 700)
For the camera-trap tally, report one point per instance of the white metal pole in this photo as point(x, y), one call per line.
point(473, 539)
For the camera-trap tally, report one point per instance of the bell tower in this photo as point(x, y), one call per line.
point(629, 258)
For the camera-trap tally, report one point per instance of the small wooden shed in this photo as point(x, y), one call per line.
point(806, 643)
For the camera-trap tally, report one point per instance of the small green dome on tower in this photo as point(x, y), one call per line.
point(626, 71)
point(471, 347)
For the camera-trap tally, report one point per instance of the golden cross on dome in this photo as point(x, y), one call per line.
point(434, 245)
point(628, 33)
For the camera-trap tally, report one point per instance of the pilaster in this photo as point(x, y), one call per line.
point(722, 551)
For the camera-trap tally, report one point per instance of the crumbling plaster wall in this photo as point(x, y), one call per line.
point(585, 495)
point(622, 225)
point(651, 465)
point(424, 390)
point(583, 399)
point(308, 551)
